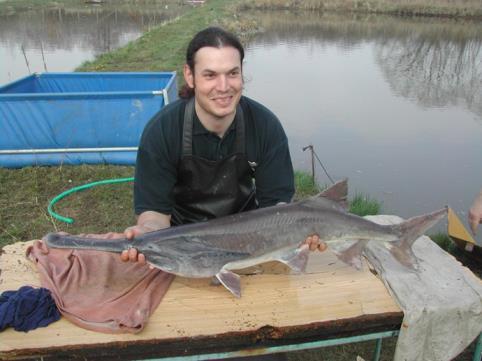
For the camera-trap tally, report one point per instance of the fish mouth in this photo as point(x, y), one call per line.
point(165, 269)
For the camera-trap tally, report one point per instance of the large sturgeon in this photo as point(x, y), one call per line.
point(218, 246)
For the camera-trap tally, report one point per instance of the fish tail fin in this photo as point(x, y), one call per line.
point(352, 255)
point(65, 240)
point(409, 231)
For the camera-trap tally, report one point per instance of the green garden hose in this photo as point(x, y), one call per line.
point(80, 188)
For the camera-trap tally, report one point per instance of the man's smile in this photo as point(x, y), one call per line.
point(223, 100)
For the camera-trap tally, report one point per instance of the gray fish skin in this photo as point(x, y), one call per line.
point(216, 247)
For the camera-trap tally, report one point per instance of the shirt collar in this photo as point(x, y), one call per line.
point(199, 129)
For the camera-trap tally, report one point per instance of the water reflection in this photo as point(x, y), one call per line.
point(67, 36)
point(435, 62)
point(435, 70)
point(393, 104)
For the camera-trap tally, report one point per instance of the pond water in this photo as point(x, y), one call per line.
point(61, 37)
point(394, 105)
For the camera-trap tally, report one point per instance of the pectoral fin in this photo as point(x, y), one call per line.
point(351, 255)
point(231, 281)
point(404, 255)
point(297, 258)
point(215, 281)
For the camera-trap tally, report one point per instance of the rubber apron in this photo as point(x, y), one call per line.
point(208, 189)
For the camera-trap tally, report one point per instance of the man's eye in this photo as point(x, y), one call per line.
point(209, 76)
point(234, 73)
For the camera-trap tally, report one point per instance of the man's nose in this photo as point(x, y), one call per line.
point(222, 83)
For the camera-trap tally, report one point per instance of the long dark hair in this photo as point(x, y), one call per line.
point(213, 37)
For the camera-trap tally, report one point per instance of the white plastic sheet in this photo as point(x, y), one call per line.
point(441, 300)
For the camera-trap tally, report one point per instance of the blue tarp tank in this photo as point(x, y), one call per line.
point(79, 118)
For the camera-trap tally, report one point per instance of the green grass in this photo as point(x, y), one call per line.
point(443, 240)
point(10, 7)
point(23, 204)
point(432, 8)
point(365, 350)
point(364, 205)
point(163, 48)
point(467, 259)
point(360, 204)
point(305, 186)
point(101, 209)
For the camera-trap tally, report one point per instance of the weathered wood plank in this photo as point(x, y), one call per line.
point(330, 300)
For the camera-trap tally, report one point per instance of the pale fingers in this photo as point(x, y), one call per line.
point(133, 254)
point(314, 241)
point(125, 255)
point(322, 247)
point(129, 233)
point(474, 221)
point(475, 213)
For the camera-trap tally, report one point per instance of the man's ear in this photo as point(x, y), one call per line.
point(188, 76)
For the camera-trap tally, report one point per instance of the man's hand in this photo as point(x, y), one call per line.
point(110, 235)
point(475, 213)
point(148, 221)
point(313, 241)
point(132, 254)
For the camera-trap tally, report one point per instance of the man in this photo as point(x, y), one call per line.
point(198, 157)
point(475, 213)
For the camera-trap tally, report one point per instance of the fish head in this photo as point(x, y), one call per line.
point(164, 262)
point(188, 256)
point(183, 256)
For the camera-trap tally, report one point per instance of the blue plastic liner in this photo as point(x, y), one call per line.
point(79, 118)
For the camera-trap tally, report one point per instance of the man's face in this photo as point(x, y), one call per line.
point(217, 81)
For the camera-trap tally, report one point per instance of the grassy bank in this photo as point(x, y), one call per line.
point(12, 7)
point(164, 47)
point(104, 208)
point(360, 204)
point(432, 8)
point(23, 210)
point(9, 7)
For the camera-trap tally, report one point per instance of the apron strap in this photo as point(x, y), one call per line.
point(240, 146)
point(240, 131)
point(187, 128)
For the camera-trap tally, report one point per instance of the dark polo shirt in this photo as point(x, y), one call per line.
point(160, 152)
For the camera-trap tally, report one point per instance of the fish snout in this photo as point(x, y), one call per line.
point(52, 238)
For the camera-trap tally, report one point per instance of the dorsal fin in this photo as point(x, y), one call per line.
point(332, 197)
point(337, 193)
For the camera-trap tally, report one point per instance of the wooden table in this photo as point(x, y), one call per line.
point(330, 301)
